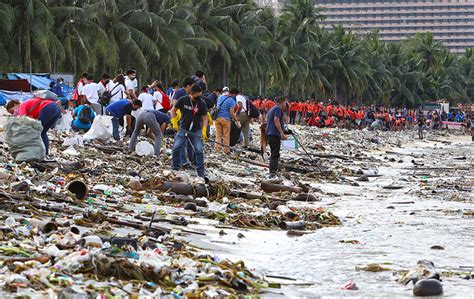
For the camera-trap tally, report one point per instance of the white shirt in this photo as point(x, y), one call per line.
point(158, 97)
point(91, 91)
point(147, 101)
point(102, 88)
point(79, 87)
point(129, 85)
point(243, 100)
point(118, 92)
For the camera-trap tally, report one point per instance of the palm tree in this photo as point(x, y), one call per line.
point(349, 72)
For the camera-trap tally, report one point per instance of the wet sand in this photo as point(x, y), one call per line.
point(390, 230)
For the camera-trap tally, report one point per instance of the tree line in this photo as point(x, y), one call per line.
point(235, 43)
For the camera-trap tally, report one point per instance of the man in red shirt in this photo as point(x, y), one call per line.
point(293, 112)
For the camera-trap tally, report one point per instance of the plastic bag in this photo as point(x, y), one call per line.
point(101, 128)
point(144, 148)
point(23, 136)
point(64, 124)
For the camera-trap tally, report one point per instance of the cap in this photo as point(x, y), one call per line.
point(225, 89)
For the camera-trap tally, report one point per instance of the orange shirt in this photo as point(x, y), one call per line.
point(270, 104)
point(294, 106)
point(329, 109)
point(256, 103)
point(301, 107)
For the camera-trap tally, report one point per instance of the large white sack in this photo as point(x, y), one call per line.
point(101, 129)
point(23, 136)
point(64, 123)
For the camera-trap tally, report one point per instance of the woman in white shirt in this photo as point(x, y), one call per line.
point(117, 89)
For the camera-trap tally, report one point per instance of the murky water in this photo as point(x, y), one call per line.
point(389, 230)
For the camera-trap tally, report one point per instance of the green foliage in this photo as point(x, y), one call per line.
point(235, 43)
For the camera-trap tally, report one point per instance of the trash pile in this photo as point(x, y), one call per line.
point(101, 221)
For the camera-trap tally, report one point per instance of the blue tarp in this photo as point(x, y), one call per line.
point(14, 95)
point(38, 82)
point(3, 100)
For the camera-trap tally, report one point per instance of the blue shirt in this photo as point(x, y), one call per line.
point(76, 123)
point(58, 90)
point(119, 108)
point(271, 127)
point(179, 94)
point(169, 91)
point(224, 103)
point(161, 117)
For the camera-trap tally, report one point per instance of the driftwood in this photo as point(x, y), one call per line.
point(62, 166)
point(329, 156)
point(197, 190)
point(392, 187)
point(305, 197)
point(248, 195)
point(182, 199)
point(435, 168)
point(111, 220)
point(270, 188)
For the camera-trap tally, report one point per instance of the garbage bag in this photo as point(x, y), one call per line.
point(144, 148)
point(234, 134)
point(23, 136)
point(64, 124)
point(101, 128)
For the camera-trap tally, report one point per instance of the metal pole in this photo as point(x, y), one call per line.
point(31, 77)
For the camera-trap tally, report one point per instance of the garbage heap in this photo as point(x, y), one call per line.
point(101, 221)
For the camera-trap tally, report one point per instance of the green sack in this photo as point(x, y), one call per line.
point(23, 136)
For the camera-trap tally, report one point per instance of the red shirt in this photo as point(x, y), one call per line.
point(28, 105)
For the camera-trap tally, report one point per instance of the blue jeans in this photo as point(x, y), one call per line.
point(186, 155)
point(49, 116)
point(115, 127)
point(180, 141)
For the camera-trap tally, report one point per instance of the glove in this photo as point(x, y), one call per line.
point(174, 122)
point(209, 119)
point(204, 134)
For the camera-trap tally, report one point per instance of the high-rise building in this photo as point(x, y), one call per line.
point(450, 21)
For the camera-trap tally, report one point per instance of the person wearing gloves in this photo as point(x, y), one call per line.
point(193, 119)
point(43, 107)
point(156, 121)
point(225, 114)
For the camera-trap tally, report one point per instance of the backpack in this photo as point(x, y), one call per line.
point(85, 116)
point(107, 96)
point(215, 109)
point(165, 101)
point(252, 111)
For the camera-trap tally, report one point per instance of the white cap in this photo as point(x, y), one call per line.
point(225, 89)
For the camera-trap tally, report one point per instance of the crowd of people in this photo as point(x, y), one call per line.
point(187, 110)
